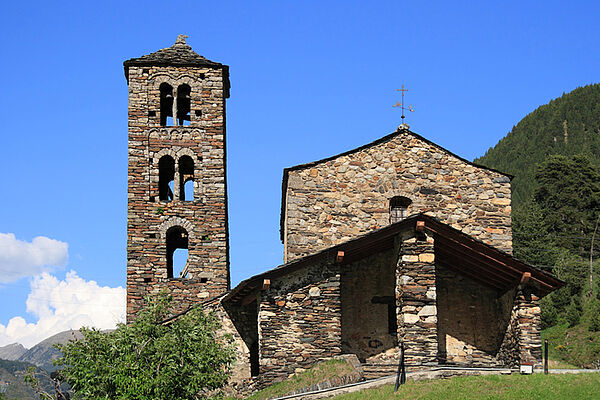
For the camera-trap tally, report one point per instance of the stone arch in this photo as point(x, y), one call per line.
point(177, 238)
point(186, 151)
point(176, 221)
point(154, 175)
point(182, 79)
point(187, 178)
point(166, 102)
point(166, 177)
point(176, 153)
point(186, 106)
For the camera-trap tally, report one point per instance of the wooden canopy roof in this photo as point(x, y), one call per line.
point(453, 249)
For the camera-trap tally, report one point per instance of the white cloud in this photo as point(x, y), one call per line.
point(19, 259)
point(61, 305)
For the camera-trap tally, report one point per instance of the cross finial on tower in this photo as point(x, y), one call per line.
point(181, 39)
point(402, 108)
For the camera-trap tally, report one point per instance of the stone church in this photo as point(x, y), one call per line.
point(397, 241)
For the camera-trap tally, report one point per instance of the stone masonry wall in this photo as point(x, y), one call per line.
point(245, 321)
point(299, 321)
point(473, 321)
point(529, 323)
point(416, 302)
point(340, 199)
point(366, 286)
point(204, 218)
point(240, 373)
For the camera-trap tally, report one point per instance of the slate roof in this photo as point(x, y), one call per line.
point(178, 55)
point(384, 139)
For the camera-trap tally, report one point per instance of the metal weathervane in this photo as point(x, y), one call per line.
point(401, 104)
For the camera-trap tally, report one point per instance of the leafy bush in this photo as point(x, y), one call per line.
point(148, 359)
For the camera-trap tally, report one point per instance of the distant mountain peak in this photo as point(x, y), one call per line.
point(12, 351)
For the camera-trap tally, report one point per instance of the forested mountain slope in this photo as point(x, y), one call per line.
point(568, 125)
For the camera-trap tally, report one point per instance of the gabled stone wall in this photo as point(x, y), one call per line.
point(148, 218)
point(340, 199)
point(299, 321)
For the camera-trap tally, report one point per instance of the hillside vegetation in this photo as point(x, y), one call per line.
point(12, 382)
point(568, 125)
point(554, 153)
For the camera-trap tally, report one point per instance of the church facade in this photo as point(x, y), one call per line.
point(396, 242)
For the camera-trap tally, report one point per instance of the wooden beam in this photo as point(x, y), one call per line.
point(473, 276)
point(482, 253)
point(420, 230)
point(339, 257)
point(249, 298)
point(461, 254)
point(266, 284)
point(460, 263)
point(525, 278)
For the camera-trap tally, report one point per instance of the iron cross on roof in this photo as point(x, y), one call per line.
point(401, 105)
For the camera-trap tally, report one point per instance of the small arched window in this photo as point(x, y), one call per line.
point(186, 178)
point(166, 178)
point(399, 208)
point(166, 104)
point(177, 252)
point(183, 105)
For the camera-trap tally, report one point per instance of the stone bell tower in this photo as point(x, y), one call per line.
point(177, 231)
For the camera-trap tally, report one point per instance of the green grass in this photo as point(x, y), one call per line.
point(517, 387)
point(576, 346)
point(319, 373)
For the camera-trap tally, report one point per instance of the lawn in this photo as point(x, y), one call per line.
point(537, 386)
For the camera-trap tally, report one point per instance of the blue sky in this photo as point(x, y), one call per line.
point(309, 79)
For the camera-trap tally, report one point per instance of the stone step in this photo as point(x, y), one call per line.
point(373, 371)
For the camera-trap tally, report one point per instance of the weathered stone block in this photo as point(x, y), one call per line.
point(426, 257)
point(427, 310)
point(410, 258)
point(410, 318)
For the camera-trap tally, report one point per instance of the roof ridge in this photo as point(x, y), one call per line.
point(401, 129)
point(178, 54)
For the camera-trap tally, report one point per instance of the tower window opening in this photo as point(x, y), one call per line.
point(186, 178)
point(188, 190)
point(177, 252)
point(166, 104)
point(399, 208)
point(183, 105)
point(166, 178)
